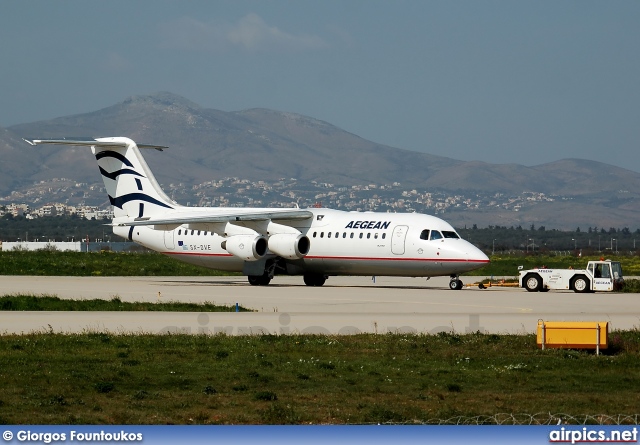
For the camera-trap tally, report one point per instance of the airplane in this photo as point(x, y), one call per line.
point(263, 242)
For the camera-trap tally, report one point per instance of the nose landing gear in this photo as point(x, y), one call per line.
point(455, 283)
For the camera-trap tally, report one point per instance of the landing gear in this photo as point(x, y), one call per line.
point(267, 275)
point(314, 279)
point(455, 283)
point(259, 280)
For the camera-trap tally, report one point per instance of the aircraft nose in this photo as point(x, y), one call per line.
point(475, 255)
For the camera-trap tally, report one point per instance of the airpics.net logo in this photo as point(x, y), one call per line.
point(586, 435)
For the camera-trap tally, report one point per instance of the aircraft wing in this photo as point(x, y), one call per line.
point(216, 216)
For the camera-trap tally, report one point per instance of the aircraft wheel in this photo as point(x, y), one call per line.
point(455, 284)
point(533, 283)
point(259, 280)
point(312, 279)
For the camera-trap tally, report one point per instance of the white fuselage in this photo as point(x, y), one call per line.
point(341, 243)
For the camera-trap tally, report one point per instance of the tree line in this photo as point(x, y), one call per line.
point(55, 228)
point(591, 240)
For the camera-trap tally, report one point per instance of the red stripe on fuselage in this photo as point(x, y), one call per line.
point(355, 258)
point(346, 258)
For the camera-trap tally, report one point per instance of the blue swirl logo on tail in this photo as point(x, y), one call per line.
point(114, 154)
point(120, 201)
point(114, 175)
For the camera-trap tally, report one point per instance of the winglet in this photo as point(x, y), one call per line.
point(157, 147)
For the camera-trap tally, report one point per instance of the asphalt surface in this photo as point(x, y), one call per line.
point(344, 305)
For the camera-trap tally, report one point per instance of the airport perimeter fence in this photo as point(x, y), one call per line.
point(74, 246)
point(532, 419)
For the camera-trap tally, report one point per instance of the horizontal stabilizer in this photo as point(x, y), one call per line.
point(89, 143)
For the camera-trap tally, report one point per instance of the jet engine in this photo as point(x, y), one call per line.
point(289, 245)
point(247, 247)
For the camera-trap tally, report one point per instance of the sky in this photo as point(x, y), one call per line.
point(525, 82)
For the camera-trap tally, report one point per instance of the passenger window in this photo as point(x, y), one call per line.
point(198, 233)
point(344, 234)
point(314, 234)
point(375, 236)
point(205, 233)
point(424, 234)
point(435, 235)
point(180, 232)
point(321, 234)
point(360, 235)
point(368, 235)
point(384, 235)
point(329, 235)
point(193, 231)
point(351, 236)
point(337, 235)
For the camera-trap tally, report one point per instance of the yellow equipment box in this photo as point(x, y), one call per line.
point(573, 334)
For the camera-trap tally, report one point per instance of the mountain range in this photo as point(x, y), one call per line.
point(263, 144)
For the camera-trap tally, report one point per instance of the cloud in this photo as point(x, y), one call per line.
point(251, 33)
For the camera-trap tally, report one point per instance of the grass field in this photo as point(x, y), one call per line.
point(96, 378)
point(53, 303)
point(107, 264)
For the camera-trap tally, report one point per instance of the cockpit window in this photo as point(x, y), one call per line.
point(424, 234)
point(450, 234)
point(435, 235)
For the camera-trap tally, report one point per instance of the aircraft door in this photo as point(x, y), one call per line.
point(397, 239)
point(169, 239)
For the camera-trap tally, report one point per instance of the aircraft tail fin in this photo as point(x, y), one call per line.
point(133, 190)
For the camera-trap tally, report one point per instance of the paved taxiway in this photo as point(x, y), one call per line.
point(344, 305)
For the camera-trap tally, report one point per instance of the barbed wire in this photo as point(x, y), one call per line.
point(535, 419)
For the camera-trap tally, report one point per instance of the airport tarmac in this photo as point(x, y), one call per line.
point(344, 305)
